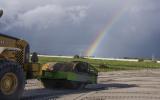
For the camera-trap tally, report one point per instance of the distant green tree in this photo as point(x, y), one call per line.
point(76, 57)
point(140, 60)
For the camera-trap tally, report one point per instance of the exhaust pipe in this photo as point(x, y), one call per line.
point(1, 12)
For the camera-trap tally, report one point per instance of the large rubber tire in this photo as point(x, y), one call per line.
point(7, 68)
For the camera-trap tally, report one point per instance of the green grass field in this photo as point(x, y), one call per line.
point(106, 65)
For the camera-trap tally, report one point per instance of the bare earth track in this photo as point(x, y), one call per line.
point(121, 85)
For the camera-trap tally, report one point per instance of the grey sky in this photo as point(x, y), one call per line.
point(68, 27)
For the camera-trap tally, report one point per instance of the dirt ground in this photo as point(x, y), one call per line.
point(121, 85)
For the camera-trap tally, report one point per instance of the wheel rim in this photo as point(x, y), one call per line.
point(9, 83)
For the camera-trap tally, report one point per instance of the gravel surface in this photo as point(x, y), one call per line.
point(121, 85)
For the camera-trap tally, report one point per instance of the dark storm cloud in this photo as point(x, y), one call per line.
point(69, 27)
point(137, 33)
point(56, 25)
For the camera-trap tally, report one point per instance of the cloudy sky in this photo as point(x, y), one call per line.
point(69, 27)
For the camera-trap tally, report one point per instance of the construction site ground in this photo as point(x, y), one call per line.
point(118, 85)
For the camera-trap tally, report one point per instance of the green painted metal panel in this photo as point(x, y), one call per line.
point(79, 77)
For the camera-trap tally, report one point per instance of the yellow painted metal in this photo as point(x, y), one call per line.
point(18, 56)
point(9, 83)
point(7, 42)
point(34, 68)
point(13, 43)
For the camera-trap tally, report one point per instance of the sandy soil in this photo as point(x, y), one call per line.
point(121, 85)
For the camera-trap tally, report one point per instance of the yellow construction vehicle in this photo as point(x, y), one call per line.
point(15, 67)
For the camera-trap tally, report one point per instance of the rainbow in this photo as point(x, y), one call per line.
point(101, 34)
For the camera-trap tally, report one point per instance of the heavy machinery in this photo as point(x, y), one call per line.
point(15, 67)
point(74, 74)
